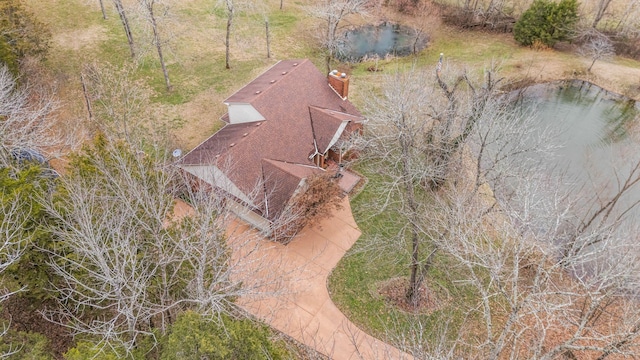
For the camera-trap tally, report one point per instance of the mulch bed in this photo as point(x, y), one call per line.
point(394, 292)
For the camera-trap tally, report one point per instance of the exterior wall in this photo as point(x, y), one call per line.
point(243, 113)
point(349, 153)
point(354, 127)
point(214, 176)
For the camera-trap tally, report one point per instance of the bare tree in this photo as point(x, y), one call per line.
point(531, 299)
point(395, 136)
point(261, 8)
point(415, 128)
point(625, 23)
point(149, 8)
point(13, 238)
point(268, 37)
point(332, 13)
point(597, 46)
point(126, 25)
point(534, 304)
point(509, 243)
point(25, 119)
point(128, 263)
point(230, 10)
point(601, 10)
point(120, 101)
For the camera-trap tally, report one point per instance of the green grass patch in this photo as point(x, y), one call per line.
point(624, 61)
point(282, 20)
point(355, 282)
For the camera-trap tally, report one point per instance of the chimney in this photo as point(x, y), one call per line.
point(340, 83)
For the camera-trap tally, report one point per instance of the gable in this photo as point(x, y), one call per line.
point(328, 125)
point(281, 181)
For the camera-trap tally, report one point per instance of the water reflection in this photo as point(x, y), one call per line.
point(380, 40)
point(596, 133)
point(585, 117)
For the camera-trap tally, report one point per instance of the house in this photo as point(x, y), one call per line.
point(285, 125)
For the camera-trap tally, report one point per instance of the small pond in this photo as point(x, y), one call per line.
point(597, 132)
point(380, 40)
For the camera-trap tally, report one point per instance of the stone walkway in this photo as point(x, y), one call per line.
point(293, 284)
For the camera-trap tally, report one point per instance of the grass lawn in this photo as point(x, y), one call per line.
point(194, 51)
point(355, 283)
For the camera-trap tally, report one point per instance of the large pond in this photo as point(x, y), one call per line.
point(597, 133)
point(379, 41)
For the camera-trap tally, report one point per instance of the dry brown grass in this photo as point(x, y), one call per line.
point(196, 56)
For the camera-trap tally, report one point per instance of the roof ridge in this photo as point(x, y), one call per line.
point(245, 85)
point(277, 163)
point(296, 64)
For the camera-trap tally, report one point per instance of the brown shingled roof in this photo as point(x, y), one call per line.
point(262, 83)
point(281, 179)
point(229, 136)
point(326, 123)
point(284, 95)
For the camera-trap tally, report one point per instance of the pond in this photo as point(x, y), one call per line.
point(595, 133)
point(380, 41)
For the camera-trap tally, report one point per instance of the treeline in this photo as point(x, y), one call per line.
point(545, 22)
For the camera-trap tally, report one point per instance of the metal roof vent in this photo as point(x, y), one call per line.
point(272, 81)
point(258, 92)
point(245, 134)
point(232, 145)
point(295, 64)
point(284, 73)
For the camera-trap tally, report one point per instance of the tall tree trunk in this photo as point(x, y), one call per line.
point(158, 43)
point(329, 46)
point(602, 8)
point(592, 63)
point(87, 99)
point(125, 24)
point(266, 26)
point(104, 14)
point(230, 11)
point(413, 293)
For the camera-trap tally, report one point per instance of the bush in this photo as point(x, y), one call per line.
point(546, 22)
point(29, 346)
point(318, 198)
point(21, 34)
point(193, 337)
point(88, 350)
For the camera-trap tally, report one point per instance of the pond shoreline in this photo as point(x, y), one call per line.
point(588, 78)
point(573, 82)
